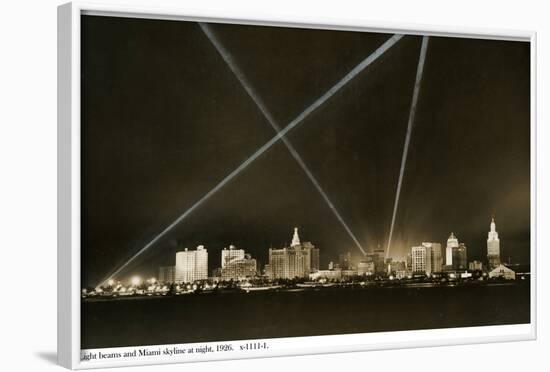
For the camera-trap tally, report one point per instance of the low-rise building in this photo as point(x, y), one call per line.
point(365, 268)
point(349, 273)
point(231, 254)
point(326, 274)
point(502, 271)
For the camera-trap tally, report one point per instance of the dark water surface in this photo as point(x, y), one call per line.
point(236, 316)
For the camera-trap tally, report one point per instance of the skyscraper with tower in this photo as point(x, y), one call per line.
point(493, 246)
point(296, 261)
point(452, 242)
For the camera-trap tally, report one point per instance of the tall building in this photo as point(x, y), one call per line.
point(452, 242)
point(380, 265)
point(377, 257)
point(344, 261)
point(289, 263)
point(436, 257)
point(167, 274)
point(460, 257)
point(408, 263)
point(327, 274)
point(295, 238)
point(298, 260)
point(239, 268)
point(421, 259)
point(314, 255)
point(231, 254)
point(493, 246)
point(191, 265)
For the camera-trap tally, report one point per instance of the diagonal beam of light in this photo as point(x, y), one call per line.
point(410, 124)
point(227, 57)
point(299, 119)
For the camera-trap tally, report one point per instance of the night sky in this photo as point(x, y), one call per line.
point(164, 120)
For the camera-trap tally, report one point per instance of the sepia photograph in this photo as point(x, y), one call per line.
point(244, 182)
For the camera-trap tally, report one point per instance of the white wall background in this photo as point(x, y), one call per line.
point(28, 181)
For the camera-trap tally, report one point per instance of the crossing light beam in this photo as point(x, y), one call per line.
point(227, 57)
point(296, 121)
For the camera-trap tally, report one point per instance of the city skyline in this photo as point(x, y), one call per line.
point(149, 158)
point(243, 182)
point(426, 257)
point(486, 255)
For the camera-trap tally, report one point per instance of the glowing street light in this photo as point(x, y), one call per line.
point(111, 282)
point(136, 280)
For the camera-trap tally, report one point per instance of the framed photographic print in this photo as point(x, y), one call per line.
point(251, 187)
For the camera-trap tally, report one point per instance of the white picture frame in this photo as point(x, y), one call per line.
point(69, 351)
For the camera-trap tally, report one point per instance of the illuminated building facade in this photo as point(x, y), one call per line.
point(314, 256)
point(239, 268)
point(191, 265)
point(365, 268)
point(502, 271)
point(475, 266)
point(296, 261)
point(452, 242)
point(421, 260)
point(231, 254)
point(493, 246)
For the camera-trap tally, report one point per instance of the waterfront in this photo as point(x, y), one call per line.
point(292, 313)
